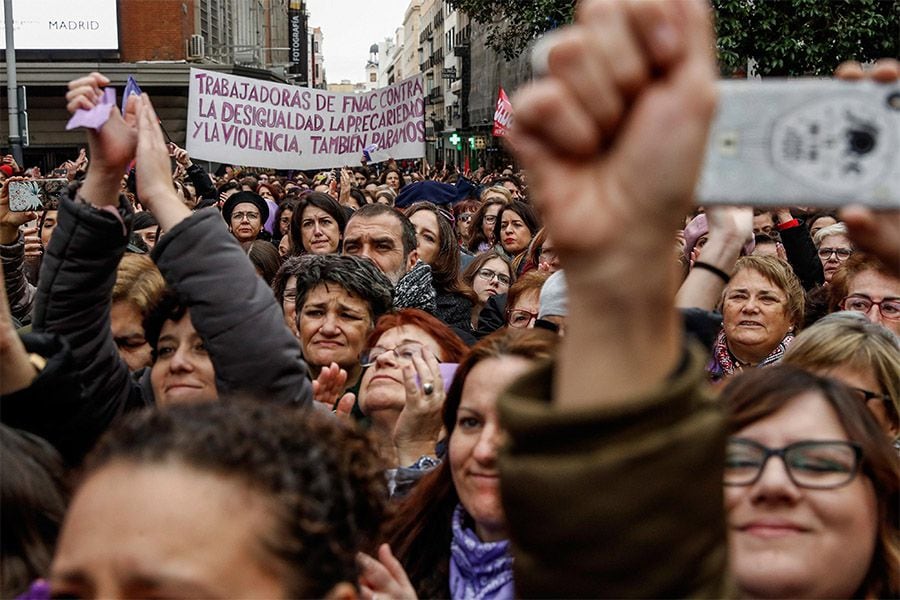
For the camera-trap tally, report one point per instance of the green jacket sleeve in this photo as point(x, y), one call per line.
point(616, 502)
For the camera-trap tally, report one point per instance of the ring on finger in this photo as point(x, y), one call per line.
point(428, 388)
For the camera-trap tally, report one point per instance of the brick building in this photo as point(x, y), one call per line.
point(158, 42)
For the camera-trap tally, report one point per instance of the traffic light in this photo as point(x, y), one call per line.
point(472, 142)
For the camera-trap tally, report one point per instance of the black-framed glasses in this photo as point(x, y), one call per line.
point(819, 465)
point(489, 275)
point(520, 318)
point(841, 253)
point(403, 352)
point(888, 307)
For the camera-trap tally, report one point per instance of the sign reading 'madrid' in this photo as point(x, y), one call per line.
point(249, 122)
point(63, 25)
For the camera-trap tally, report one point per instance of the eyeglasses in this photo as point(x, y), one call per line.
point(489, 275)
point(403, 352)
point(888, 307)
point(520, 318)
point(464, 218)
point(240, 216)
point(841, 253)
point(490, 219)
point(818, 465)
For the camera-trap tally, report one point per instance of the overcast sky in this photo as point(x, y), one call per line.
point(349, 28)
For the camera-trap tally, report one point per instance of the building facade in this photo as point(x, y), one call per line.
point(158, 43)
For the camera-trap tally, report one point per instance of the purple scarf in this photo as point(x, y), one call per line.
point(724, 363)
point(478, 570)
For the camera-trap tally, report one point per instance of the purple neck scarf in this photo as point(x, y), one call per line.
point(478, 570)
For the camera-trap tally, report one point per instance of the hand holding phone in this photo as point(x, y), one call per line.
point(804, 142)
point(34, 194)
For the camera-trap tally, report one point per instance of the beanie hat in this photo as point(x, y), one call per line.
point(554, 297)
point(250, 197)
point(143, 220)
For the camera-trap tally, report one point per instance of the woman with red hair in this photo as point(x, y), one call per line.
point(403, 388)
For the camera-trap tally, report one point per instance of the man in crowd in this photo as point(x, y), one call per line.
point(387, 238)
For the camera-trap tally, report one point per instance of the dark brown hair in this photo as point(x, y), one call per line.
point(324, 487)
point(759, 393)
point(445, 268)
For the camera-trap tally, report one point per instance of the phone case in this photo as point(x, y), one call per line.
point(804, 142)
point(33, 194)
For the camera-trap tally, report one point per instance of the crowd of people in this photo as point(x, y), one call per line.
point(558, 378)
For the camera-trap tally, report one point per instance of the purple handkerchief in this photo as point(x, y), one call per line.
point(39, 590)
point(131, 89)
point(97, 116)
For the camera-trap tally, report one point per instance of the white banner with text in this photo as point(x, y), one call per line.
point(242, 121)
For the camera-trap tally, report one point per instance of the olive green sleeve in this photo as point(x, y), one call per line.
point(616, 503)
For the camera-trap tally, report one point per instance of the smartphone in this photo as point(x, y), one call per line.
point(59, 173)
point(34, 194)
point(804, 142)
point(448, 371)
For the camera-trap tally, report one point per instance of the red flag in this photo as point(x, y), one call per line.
point(503, 115)
point(466, 167)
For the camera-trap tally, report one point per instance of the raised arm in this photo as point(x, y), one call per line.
point(593, 482)
point(232, 309)
point(613, 141)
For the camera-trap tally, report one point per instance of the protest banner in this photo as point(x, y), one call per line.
point(502, 114)
point(238, 120)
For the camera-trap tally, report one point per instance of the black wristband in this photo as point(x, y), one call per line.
point(714, 270)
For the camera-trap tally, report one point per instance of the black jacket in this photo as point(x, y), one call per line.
point(232, 309)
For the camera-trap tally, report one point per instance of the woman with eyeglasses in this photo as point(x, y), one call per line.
point(481, 231)
point(833, 247)
point(464, 213)
point(524, 300)
point(489, 274)
point(811, 490)
point(402, 389)
point(863, 355)
point(865, 285)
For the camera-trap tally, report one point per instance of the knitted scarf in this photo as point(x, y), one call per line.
point(724, 363)
point(415, 289)
point(478, 570)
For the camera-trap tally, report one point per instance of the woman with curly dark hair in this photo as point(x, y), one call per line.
point(227, 499)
